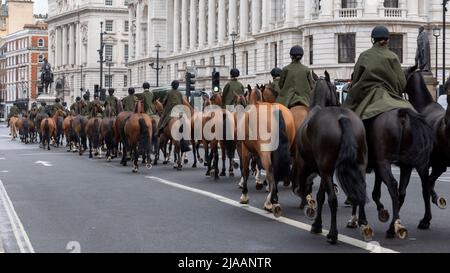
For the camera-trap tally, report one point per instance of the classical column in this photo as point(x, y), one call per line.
point(202, 23)
point(64, 45)
point(265, 15)
point(232, 16)
point(77, 44)
point(150, 33)
point(176, 26)
point(193, 25)
point(413, 8)
point(256, 16)
point(184, 25)
point(57, 47)
point(138, 30)
point(222, 21)
point(71, 44)
point(289, 12)
point(130, 30)
point(211, 22)
point(243, 24)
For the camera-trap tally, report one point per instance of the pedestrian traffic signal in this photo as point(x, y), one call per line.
point(215, 81)
point(190, 84)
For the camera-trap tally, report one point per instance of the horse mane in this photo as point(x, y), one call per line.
point(138, 107)
point(108, 111)
point(323, 94)
point(255, 96)
point(119, 106)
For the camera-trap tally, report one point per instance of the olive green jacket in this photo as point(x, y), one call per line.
point(296, 84)
point(378, 84)
point(13, 112)
point(90, 107)
point(276, 86)
point(129, 102)
point(173, 98)
point(57, 106)
point(228, 95)
point(149, 107)
point(112, 102)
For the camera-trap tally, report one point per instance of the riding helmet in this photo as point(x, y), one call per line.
point(380, 32)
point(146, 85)
point(64, 103)
point(78, 98)
point(296, 51)
point(110, 91)
point(276, 72)
point(34, 104)
point(86, 96)
point(175, 84)
point(234, 73)
point(57, 100)
point(131, 91)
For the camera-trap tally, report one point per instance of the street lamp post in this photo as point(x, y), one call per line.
point(100, 52)
point(436, 34)
point(233, 39)
point(109, 74)
point(157, 68)
point(444, 11)
point(81, 81)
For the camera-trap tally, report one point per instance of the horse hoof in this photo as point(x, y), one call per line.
point(316, 229)
point(90, 156)
point(179, 168)
point(259, 186)
point(336, 189)
point(205, 164)
point(367, 233)
point(135, 170)
point(424, 225)
point(148, 166)
point(231, 174)
point(222, 173)
point(244, 199)
point(332, 239)
point(277, 211)
point(286, 183)
point(442, 203)
point(310, 201)
point(352, 223)
point(310, 213)
point(400, 230)
point(185, 161)
point(200, 160)
point(194, 165)
point(212, 173)
point(108, 159)
point(383, 215)
point(165, 162)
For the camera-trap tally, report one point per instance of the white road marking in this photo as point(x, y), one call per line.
point(4, 171)
point(2, 158)
point(285, 220)
point(19, 232)
point(44, 163)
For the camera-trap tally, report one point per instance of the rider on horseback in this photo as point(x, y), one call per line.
point(296, 82)
point(112, 101)
point(232, 88)
point(13, 112)
point(147, 96)
point(57, 106)
point(84, 104)
point(173, 98)
point(276, 73)
point(378, 80)
point(95, 103)
point(46, 74)
point(129, 101)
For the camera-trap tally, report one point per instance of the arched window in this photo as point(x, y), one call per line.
point(41, 43)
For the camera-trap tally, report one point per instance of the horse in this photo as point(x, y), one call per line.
point(48, 130)
point(276, 161)
point(69, 133)
point(78, 128)
point(401, 137)
point(119, 132)
point(155, 139)
point(13, 127)
point(437, 118)
point(92, 131)
point(138, 136)
point(107, 133)
point(37, 121)
point(58, 118)
point(332, 140)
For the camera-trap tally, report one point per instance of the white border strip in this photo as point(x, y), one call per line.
point(343, 238)
point(19, 232)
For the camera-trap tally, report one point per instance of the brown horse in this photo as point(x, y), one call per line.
point(92, 131)
point(79, 132)
point(48, 130)
point(13, 126)
point(107, 133)
point(58, 119)
point(119, 132)
point(138, 136)
point(332, 139)
point(68, 132)
point(275, 160)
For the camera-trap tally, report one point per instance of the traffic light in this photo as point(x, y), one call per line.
point(215, 81)
point(190, 84)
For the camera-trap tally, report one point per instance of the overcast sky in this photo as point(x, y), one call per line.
point(40, 6)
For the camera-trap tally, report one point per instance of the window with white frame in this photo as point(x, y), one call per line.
point(108, 2)
point(278, 10)
point(396, 45)
point(126, 26)
point(108, 80)
point(108, 52)
point(125, 52)
point(125, 80)
point(346, 48)
point(109, 25)
point(390, 3)
point(41, 42)
point(349, 4)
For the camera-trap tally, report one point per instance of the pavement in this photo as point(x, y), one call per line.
point(55, 201)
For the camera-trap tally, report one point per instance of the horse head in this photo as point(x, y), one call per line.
point(239, 99)
point(139, 106)
point(325, 92)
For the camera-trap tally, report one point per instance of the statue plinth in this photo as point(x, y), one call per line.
point(431, 83)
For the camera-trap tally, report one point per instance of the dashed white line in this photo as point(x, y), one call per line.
point(297, 224)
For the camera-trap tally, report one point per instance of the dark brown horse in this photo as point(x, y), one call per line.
point(93, 131)
point(138, 136)
point(79, 132)
point(107, 133)
point(48, 130)
point(69, 133)
point(332, 139)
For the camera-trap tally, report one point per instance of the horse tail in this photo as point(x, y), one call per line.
point(350, 177)
point(418, 152)
point(122, 133)
point(46, 136)
point(96, 133)
point(143, 137)
point(109, 139)
point(281, 156)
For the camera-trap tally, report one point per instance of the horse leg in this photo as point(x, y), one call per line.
point(208, 159)
point(216, 162)
point(405, 176)
point(426, 188)
point(383, 214)
point(90, 147)
point(316, 227)
point(224, 158)
point(136, 159)
point(206, 148)
point(332, 203)
point(195, 152)
point(366, 230)
point(245, 161)
point(395, 228)
point(437, 171)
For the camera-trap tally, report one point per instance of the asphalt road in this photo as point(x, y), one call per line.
point(54, 201)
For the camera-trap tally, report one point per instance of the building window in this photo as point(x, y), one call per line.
point(222, 60)
point(346, 48)
point(391, 4)
point(125, 80)
point(311, 50)
point(278, 10)
point(396, 45)
point(109, 25)
point(125, 52)
point(41, 43)
point(317, 6)
point(125, 2)
point(212, 61)
point(108, 52)
point(108, 80)
point(202, 62)
point(348, 4)
point(41, 58)
point(126, 26)
point(108, 2)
